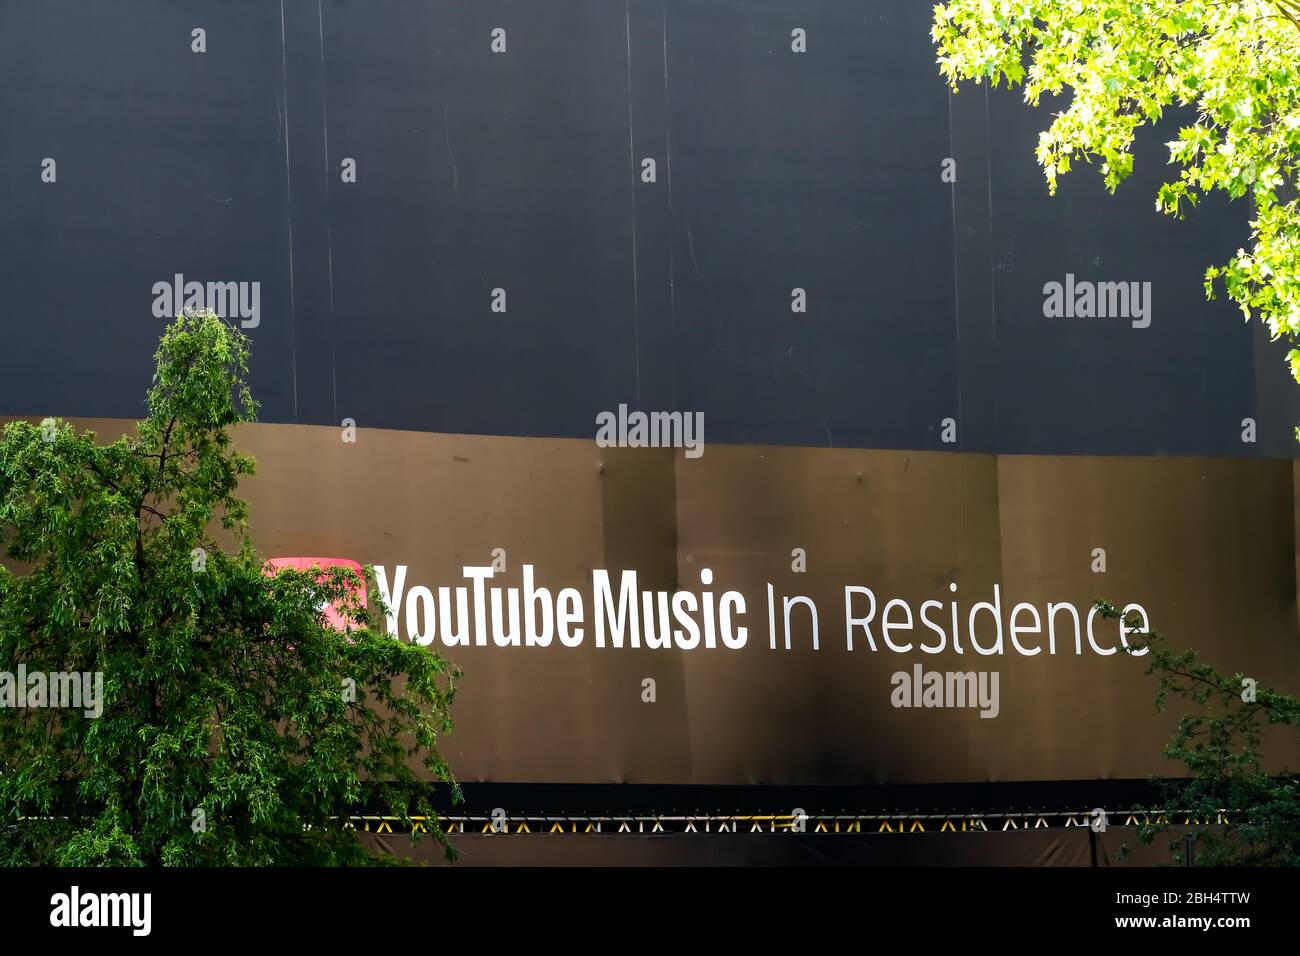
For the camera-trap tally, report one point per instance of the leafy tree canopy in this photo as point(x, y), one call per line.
point(227, 733)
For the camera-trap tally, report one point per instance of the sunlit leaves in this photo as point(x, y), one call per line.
point(1235, 64)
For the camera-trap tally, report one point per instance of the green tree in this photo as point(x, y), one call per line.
point(227, 736)
point(1239, 812)
point(1233, 66)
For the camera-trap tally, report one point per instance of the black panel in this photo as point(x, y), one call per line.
point(1181, 385)
point(167, 162)
point(521, 171)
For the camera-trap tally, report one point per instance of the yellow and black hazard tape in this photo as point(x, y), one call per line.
point(506, 824)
